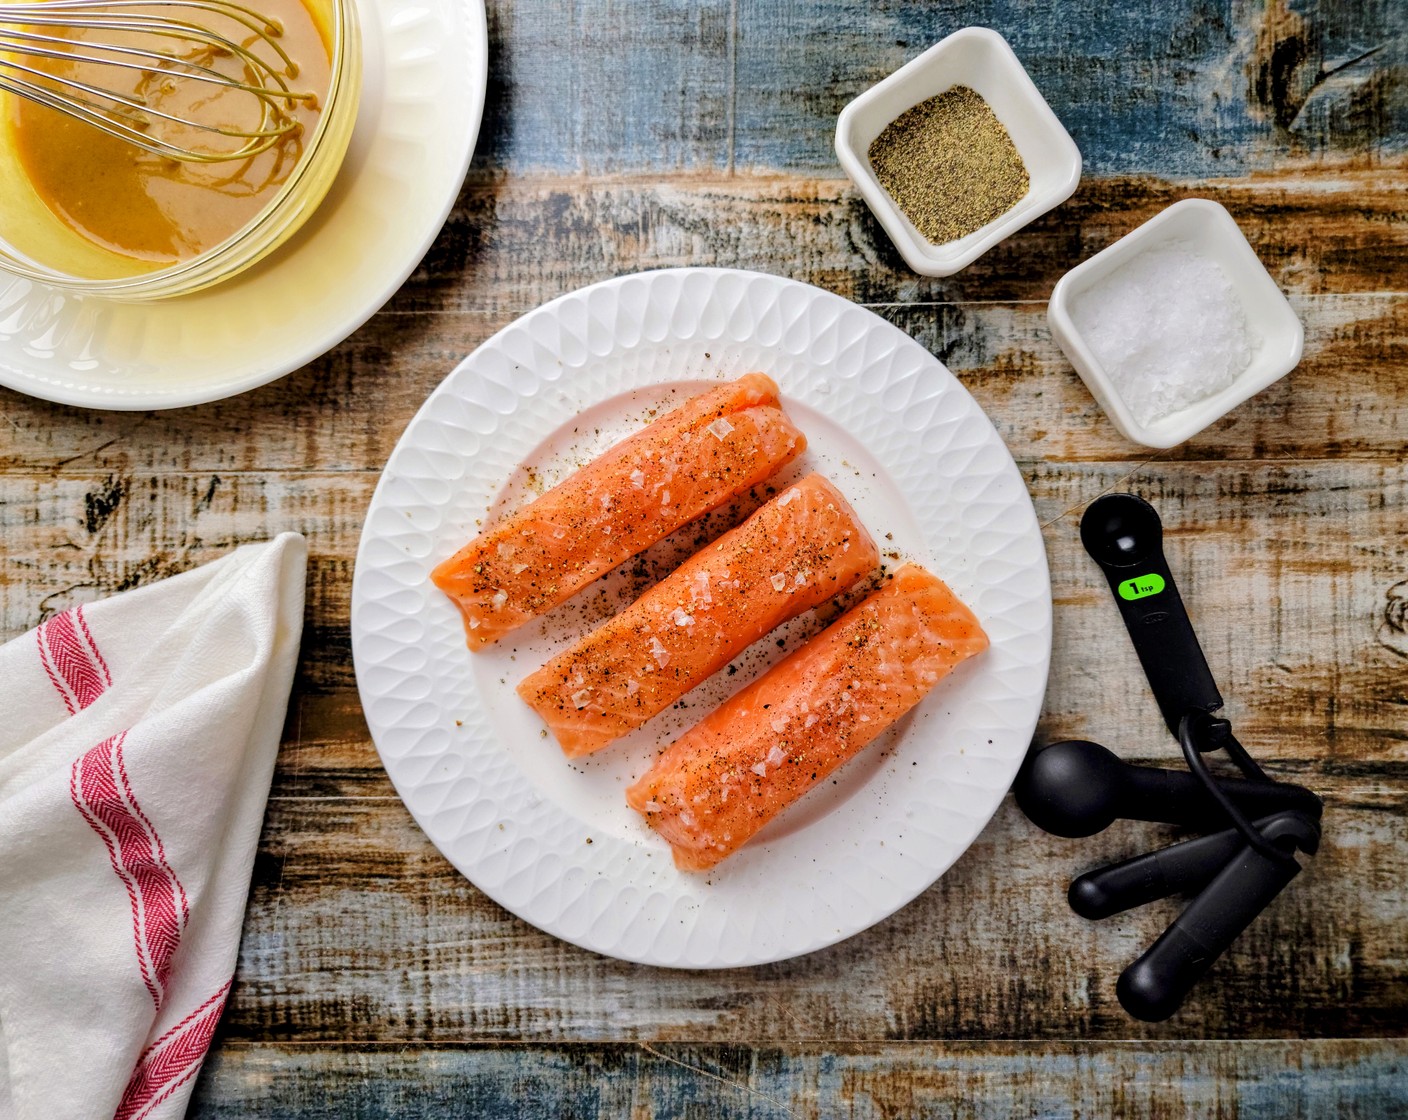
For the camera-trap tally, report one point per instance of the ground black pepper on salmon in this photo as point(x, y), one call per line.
point(794, 553)
point(725, 778)
point(690, 461)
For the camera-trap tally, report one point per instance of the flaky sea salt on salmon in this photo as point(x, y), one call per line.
point(796, 551)
point(688, 462)
point(725, 778)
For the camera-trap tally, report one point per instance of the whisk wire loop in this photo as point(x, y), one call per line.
point(130, 117)
point(76, 13)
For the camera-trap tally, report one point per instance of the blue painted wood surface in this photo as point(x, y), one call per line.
point(1261, 1081)
point(1191, 88)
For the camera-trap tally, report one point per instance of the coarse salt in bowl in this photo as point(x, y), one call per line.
point(1238, 333)
point(980, 59)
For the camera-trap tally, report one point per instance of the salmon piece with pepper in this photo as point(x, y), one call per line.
point(725, 778)
point(795, 552)
point(688, 462)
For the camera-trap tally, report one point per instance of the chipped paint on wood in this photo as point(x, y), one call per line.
point(358, 930)
point(1182, 89)
point(1337, 244)
point(1294, 559)
point(1056, 1081)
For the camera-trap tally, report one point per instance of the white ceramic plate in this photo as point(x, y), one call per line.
point(426, 66)
point(554, 842)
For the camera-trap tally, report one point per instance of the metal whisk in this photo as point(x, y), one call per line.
point(162, 42)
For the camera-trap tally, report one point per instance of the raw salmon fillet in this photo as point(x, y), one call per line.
point(730, 774)
point(688, 462)
point(798, 550)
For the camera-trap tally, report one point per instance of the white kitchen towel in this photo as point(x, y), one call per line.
point(137, 741)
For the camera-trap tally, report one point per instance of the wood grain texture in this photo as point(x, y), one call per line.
point(1288, 564)
point(1184, 89)
point(1057, 1081)
point(683, 132)
point(1337, 244)
point(370, 936)
point(357, 928)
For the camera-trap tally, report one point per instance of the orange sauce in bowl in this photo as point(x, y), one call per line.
point(152, 208)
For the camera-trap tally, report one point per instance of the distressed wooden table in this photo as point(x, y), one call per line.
point(374, 981)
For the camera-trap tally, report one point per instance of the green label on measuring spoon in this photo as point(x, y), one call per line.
point(1141, 587)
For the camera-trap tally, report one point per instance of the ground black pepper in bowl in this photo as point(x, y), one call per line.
point(950, 165)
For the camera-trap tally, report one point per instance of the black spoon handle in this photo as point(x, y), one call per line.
point(1155, 985)
point(1177, 797)
point(1181, 868)
point(1078, 788)
point(1124, 536)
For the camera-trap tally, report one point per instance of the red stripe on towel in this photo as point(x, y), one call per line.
point(171, 1060)
point(103, 795)
point(72, 661)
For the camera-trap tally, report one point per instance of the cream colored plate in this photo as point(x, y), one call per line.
point(554, 842)
point(426, 70)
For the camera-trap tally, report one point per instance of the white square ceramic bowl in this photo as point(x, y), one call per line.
point(1209, 230)
point(981, 60)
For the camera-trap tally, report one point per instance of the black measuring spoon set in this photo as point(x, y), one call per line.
point(1255, 825)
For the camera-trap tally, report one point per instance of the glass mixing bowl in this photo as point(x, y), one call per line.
point(24, 217)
